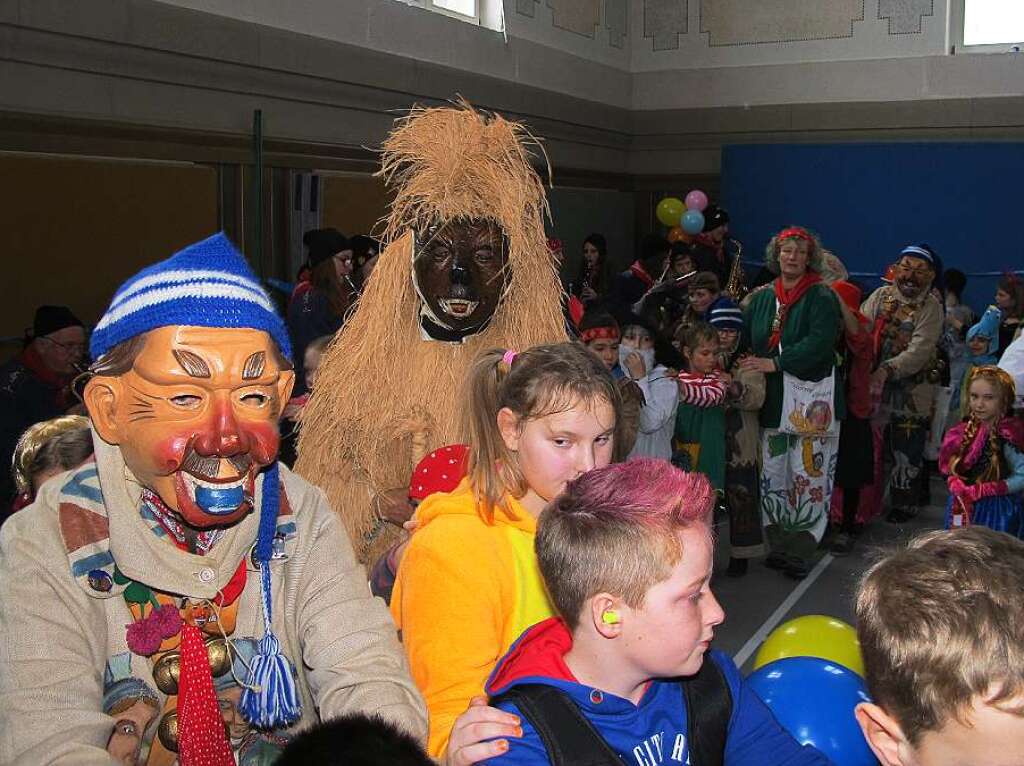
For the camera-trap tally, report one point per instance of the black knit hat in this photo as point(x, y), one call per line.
point(324, 244)
point(50, 319)
point(715, 216)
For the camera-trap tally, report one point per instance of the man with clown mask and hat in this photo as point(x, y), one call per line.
point(907, 323)
point(146, 569)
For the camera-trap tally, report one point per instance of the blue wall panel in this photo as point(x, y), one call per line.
point(867, 201)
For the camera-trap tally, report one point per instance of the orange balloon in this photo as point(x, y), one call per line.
point(676, 234)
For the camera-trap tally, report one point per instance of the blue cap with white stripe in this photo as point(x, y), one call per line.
point(208, 284)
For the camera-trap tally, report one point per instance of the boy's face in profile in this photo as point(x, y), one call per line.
point(670, 632)
point(993, 738)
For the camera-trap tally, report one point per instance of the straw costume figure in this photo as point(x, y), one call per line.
point(467, 222)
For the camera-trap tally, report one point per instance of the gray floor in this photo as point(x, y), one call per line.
point(752, 600)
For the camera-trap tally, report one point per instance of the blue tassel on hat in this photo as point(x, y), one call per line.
point(270, 699)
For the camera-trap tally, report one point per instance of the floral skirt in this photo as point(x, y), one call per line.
point(797, 475)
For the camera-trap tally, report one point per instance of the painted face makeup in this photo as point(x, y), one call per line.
point(196, 418)
point(913, 276)
point(460, 275)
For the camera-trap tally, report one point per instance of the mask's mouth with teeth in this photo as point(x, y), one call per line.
point(458, 307)
point(215, 486)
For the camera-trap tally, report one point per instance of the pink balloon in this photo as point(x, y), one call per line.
point(696, 200)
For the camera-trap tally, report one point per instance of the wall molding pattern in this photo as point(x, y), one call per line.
point(905, 15)
point(740, 22)
point(616, 14)
point(664, 21)
point(580, 16)
point(525, 7)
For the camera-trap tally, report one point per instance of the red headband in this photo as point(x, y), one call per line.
point(794, 232)
point(596, 333)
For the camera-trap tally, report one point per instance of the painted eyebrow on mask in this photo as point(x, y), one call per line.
point(191, 363)
point(254, 366)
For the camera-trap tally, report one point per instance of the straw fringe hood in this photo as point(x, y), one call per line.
point(384, 395)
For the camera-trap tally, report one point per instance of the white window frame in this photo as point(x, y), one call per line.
point(957, 18)
point(489, 14)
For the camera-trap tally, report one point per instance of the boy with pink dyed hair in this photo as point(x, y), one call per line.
point(626, 674)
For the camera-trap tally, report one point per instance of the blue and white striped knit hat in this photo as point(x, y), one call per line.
point(724, 314)
point(208, 284)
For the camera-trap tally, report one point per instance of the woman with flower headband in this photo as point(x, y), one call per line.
point(794, 325)
point(983, 457)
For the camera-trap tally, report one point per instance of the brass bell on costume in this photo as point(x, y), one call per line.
point(167, 731)
point(167, 669)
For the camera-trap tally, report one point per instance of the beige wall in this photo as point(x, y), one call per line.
point(72, 230)
point(354, 204)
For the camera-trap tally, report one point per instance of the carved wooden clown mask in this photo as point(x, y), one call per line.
point(459, 270)
point(196, 417)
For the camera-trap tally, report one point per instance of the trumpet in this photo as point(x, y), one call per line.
point(736, 286)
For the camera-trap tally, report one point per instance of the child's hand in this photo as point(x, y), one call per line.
point(956, 486)
point(758, 363)
point(393, 506)
point(474, 734)
point(725, 377)
point(635, 365)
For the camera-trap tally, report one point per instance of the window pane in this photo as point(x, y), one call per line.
point(991, 22)
point(465, 7)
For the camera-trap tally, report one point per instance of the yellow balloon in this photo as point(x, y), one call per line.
point(670, 210)
point(815, 635)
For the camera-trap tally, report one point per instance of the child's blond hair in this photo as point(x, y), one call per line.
point(60, 443)
point(941, 623)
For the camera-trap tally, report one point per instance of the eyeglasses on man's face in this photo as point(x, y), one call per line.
point(68, 349)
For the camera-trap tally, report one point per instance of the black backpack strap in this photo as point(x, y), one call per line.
point(708, 709)
point(570, 739)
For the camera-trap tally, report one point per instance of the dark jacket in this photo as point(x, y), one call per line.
point(25, 399)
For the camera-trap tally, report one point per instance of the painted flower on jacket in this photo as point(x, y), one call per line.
point(801, 484)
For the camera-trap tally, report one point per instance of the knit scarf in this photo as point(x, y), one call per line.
point(787, 298)
point(640, 272)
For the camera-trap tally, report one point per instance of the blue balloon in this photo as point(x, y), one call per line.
point(814, 699)
point(692, 222)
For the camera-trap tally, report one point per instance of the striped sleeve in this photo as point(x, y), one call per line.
point(701, 390)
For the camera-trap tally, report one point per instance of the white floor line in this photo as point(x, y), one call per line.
point(776, 617)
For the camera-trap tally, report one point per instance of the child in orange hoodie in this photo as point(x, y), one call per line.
point(468, 584)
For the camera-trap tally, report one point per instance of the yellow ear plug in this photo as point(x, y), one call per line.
point(610, 617)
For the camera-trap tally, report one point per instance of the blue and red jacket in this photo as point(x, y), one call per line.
point(650, 733)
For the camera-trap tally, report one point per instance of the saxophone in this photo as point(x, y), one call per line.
point(736, 287)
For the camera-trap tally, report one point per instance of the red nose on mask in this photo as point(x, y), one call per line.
point(223, 437)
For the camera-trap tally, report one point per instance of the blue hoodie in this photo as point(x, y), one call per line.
point(647, 734)
point(987, 327)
